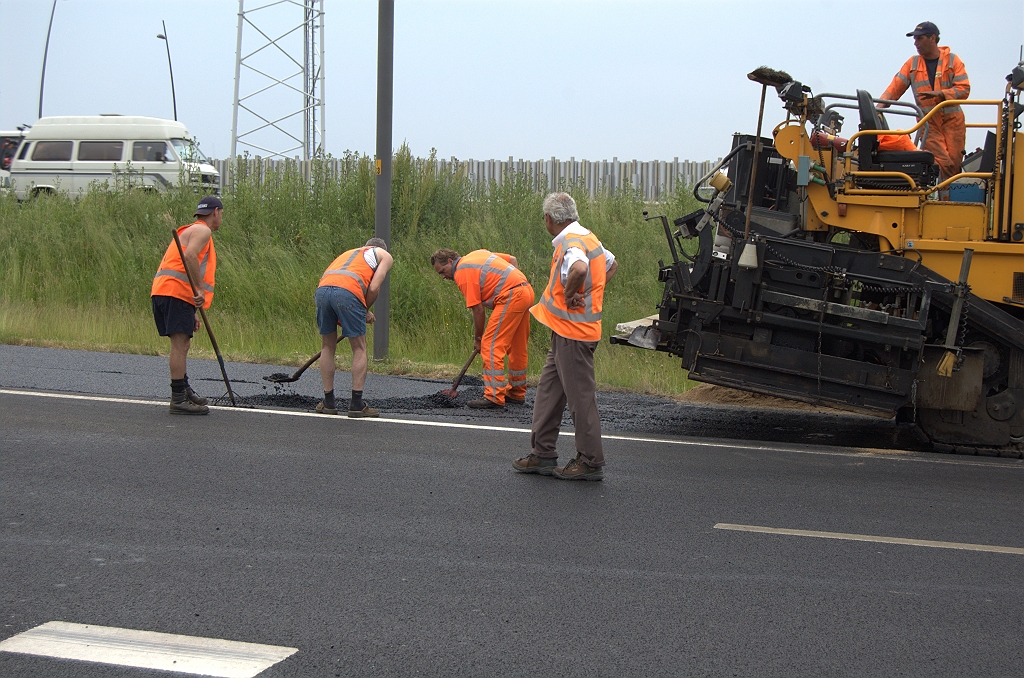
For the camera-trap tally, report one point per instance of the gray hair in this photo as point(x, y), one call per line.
point(377, 242)
point(561, 208)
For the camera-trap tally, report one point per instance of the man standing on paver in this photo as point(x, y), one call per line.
point(491, 279)
point(936, 75)
point(347, 290)
point(174, 305)
point(571, 307)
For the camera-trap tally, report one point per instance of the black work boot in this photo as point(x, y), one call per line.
point(180, 404)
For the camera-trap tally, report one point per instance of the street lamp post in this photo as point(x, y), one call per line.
point(46, 49)
point(163, 36)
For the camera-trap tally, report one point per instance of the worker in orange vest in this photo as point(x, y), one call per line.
point(936, 75)
point(492, 280)
point(174, 304)
point(571, 307)
point(346, 292)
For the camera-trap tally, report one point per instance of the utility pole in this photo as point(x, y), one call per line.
point(382, 216)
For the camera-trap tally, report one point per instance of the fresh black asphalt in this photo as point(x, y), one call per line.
point(381, 548)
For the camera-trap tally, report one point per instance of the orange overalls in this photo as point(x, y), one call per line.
point(488, 278)
point(947, 129)
point(172, 281)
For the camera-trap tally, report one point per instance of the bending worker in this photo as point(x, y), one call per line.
point(347, 290)
point(174, 305)
point(491, 279)
point(936, 75)
point(571, 308)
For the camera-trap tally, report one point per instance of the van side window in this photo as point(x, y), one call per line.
point(149, 151)
point(24, 150)
point(52, 150)
point(100, 150)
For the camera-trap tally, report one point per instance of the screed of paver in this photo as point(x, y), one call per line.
point(872, 538)
point(147, 649)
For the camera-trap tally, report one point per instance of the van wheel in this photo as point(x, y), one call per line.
point(40, 192)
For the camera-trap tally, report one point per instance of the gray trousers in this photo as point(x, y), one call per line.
point(568, 377)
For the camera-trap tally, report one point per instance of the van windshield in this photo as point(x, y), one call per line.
point(189, 151)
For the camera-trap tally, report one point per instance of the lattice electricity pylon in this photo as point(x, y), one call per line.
point(271, 125)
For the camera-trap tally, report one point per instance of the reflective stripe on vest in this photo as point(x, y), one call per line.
point(182, 289)
point(579, 325)
point(919, 81)
point(348, 270)
point(503, 273)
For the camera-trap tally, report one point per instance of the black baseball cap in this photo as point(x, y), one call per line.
point(207, 205)
point(924, 28)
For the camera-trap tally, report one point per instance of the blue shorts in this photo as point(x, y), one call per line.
point(173, 316)
point(334, 304)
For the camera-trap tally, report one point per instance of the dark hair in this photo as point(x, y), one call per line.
point(443, 255)
point(377, 242)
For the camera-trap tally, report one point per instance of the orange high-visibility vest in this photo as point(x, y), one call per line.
point(483, 277)
point(351, 272)
point(580, 324)
point(950, 77)
point(172, 281)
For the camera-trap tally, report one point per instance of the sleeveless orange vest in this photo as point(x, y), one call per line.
point(172, 281)
point(351, 272)
point(493, 274)
point(580, 324)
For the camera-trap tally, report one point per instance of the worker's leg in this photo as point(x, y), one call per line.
point(936, 145)
point(576, 368)
point(493, 348)
point(518, 354)
point(358, 362)
point(548, 406)
point(180, 344)
point(327, 323)
point(328, 348)
point(954, 128)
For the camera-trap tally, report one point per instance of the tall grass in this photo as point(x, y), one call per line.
point(78, 272)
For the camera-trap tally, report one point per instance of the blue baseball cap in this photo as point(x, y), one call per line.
point(924, 28)
point(207, 205)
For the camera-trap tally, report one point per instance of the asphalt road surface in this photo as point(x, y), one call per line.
point(408, 545)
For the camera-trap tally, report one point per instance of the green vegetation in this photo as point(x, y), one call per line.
point(77, 273)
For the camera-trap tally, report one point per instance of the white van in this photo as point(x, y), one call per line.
point(68, 153)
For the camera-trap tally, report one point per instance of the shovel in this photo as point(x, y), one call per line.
point(285, 379)
point(453, 391)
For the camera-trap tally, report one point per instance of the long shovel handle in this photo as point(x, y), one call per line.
point(298, 372)
point(202, 314)
point(465, 367)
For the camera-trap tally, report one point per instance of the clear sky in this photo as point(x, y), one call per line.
point(592, 79)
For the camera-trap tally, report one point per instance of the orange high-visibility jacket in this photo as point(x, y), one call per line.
point(351, 272)
point(950, 78)
point(172, 281)
point(484, 277)
point(895, 142)
point(580, 324)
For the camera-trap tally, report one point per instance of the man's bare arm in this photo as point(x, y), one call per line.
point(384, 263)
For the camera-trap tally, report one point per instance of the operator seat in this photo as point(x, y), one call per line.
point(919, 165)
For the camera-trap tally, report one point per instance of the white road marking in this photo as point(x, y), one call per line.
point(147, 649)
point(891, 455)
point(867, 537)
